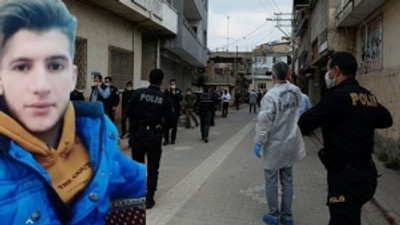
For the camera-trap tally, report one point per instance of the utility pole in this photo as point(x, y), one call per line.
point(236, 61)
point(227, 33)
point(280, 23)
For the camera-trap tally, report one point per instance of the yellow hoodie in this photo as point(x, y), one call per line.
point(69, 165)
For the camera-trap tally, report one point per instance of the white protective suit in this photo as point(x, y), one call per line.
point(277, 130)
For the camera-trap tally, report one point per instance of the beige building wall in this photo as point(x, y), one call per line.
point(102, 30)
point(385, 83)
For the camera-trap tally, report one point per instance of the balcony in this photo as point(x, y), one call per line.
point(192, 10)
point(353, 12)
point(157, 16)
point(188, 46)
point(302, 27)
point(214, 80)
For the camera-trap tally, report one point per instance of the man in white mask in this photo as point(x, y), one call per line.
point(329, 79)
point(348, 115)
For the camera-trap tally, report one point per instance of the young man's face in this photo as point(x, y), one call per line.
point(36, 76)
point(107, 82)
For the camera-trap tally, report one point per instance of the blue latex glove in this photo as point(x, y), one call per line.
point(257, 150)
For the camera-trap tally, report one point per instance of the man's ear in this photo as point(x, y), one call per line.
point(74, 76)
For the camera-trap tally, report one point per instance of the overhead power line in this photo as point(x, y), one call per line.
point(273, 1)
point(244, 37)
point(266, 7)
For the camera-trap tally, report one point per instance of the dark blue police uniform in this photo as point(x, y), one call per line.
point(148, 112)
point(348, 115)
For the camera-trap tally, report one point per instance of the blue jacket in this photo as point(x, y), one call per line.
point(23, 197)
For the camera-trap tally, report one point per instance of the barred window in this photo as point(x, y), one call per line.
point(80, 60)
point(121, 66)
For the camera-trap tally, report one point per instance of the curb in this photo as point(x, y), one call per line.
point(390, 217)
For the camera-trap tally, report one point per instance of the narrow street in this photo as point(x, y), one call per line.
point(222, 183)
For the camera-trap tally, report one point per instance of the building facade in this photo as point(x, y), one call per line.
point(227, 70)
point(264, 57)
point(365, 28)
point(185, 55)
point(127, 39)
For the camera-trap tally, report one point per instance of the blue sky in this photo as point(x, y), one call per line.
point(247, 26)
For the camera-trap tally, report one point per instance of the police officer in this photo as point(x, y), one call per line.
point(205, 107)
point(147, 110)
point(113, 101)
point(348, 115)
point(174, 94)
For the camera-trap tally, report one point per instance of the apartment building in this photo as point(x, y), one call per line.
point(368, 29)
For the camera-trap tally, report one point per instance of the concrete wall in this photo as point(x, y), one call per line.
point(179, 72)
point(101, 29)
point(385, 83)
point(149, 56)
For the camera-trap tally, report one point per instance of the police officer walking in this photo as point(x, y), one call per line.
point(205, 107)
point(348, 115)
point(147, 110)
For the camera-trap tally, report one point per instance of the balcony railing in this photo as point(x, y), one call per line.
point(302, 27)
point(353, 12)
point(190, 29)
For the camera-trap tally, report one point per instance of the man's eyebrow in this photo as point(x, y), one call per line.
point(20, 59)
point(58, 57)
point(26, 59)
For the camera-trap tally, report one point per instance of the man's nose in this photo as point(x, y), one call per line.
point(40, 80)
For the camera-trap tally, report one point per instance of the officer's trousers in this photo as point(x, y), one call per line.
point(153, 152)
point(205, 121)
point(348, 190)
point(174, 130)
point(225, 106)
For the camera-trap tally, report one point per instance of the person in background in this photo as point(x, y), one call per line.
point(305, 104)
point(59, 162)
point(190, 100)
point(76, 95)
point(100, 92)
point(174, 94)
point(348, 115)
point(216, 95)
point(205, 107)
point(126, 95)
point(279, 142)
point(252, 100)
point(226, 99)
point(259, 97)
point(113, 101)
point(148, 109)
point(237, 100)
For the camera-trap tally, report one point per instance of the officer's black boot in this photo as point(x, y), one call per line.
point(150, 201)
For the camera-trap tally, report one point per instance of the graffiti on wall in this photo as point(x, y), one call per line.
point(371, 46)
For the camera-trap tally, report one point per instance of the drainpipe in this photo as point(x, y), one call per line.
point(158, 53)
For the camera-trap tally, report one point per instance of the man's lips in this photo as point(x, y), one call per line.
point(40, 105)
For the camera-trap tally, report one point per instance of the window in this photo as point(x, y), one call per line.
point(371, 46)
point(262, 86)
point(80, 60)
point(121, 66)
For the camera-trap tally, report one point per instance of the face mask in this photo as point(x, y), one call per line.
point(173, 86)
point(107, 84)
point(329, 82)
point(128, 88)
